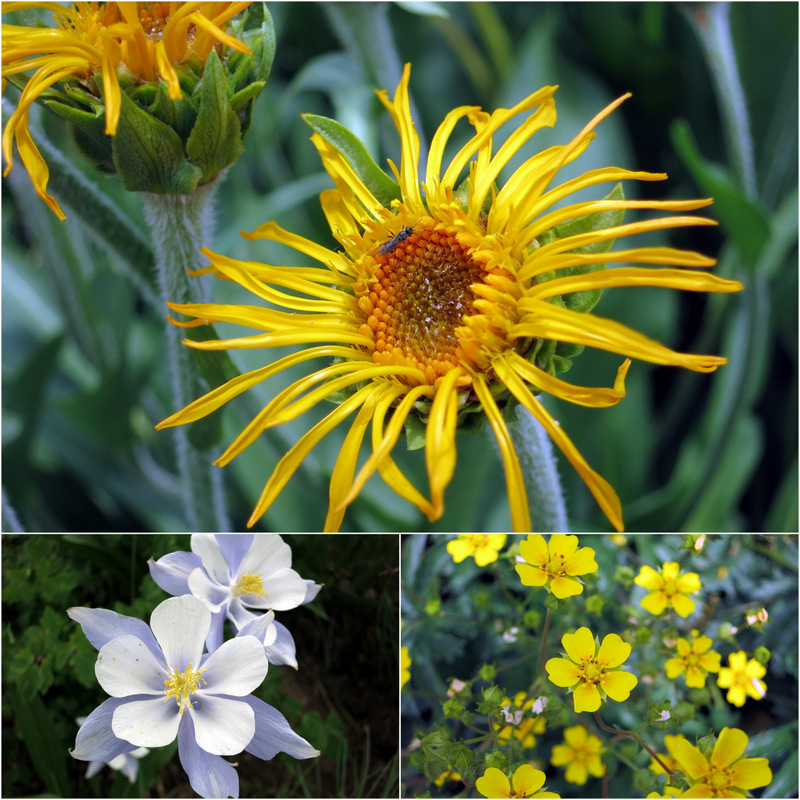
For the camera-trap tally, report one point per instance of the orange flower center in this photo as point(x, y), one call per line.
point(419, 296)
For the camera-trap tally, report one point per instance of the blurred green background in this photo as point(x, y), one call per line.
point(456, 618)
point(84, 374)
point(347, 658)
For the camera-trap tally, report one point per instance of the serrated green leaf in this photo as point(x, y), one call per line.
point(384, 188)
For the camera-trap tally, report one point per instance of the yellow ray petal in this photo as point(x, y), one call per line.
point(515, 483)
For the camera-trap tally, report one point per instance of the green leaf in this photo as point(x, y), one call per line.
point(744, 221)
point(89, 134)
point(350, 146)
point(216, 139)
point(179, 114)
point(149, 155)
point(48, 753)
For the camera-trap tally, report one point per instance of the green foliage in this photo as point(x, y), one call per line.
point(479, 606)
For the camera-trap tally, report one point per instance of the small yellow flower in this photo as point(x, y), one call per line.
point(405, 663)
point(555, 564)
point(724, 773)
point(668, 589)
point(447, 775)
point(483, 547)
point(582, 755)
point(441, 301)
point(695, 659)
point(592, 672)
point(524, 729)
point(670, 740)
point(526, 782)
point(741, 678)
point(139, 42)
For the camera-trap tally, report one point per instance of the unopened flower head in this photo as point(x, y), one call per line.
point(526, 782)
point(668, 588)
point(742, 679)
point(722, 773)
point(483, 547)
point(555, 564)
point(695, 660)
point(443, 297)
point(129, 70)
point(591, 672)
point(581, 754)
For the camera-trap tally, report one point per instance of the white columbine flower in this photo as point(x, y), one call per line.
point(164, 687)
point(233, 573)
point(126, 763)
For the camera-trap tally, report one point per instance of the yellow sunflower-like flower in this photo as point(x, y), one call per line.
point(668, 588)
point(133, 42)
point(438, 305)
point(555, 564)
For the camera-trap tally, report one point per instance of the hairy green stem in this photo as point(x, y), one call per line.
point(540, 471)
point(180, 225)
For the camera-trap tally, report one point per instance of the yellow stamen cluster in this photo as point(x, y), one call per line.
point(182, 685)
point(250, 585)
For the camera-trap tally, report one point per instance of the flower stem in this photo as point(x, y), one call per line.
point(539, 468)
point(179, 224)
point(633, 736)
point(544, 639)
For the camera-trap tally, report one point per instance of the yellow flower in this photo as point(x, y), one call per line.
point(135, 42)
point(439, 305)
point(695, 659)
point(523, 729)
point(483, 547)
point(592, 672)
point(668, 588)
point(526, 782)
point(405, 664)
point(447, 775)
point(670, 740)
point(741, 678)
point(581, 753)
point(724, 773)
point(555, 564)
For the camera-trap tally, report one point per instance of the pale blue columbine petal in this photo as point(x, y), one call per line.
point(222, 726)
point(100, 626)
point(125, 667)
point(209, 776)
point(282, 650)
point(234, 547)
point(214, 563)
point(312, 590)
point(96, 740)
point(147, 723)
point(180, 625)
point(216, 631)
point(214, 595)
point(273, 734)
point(262, 627)
point(171, 572)
point(237, 668)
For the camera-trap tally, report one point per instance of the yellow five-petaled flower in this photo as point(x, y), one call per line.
point(695, 658)
point(483, 547)
point(668, 588)
point(580, 754)
point(525, 782)
point(742, 679)
point(556, 564)
point(591, 672)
